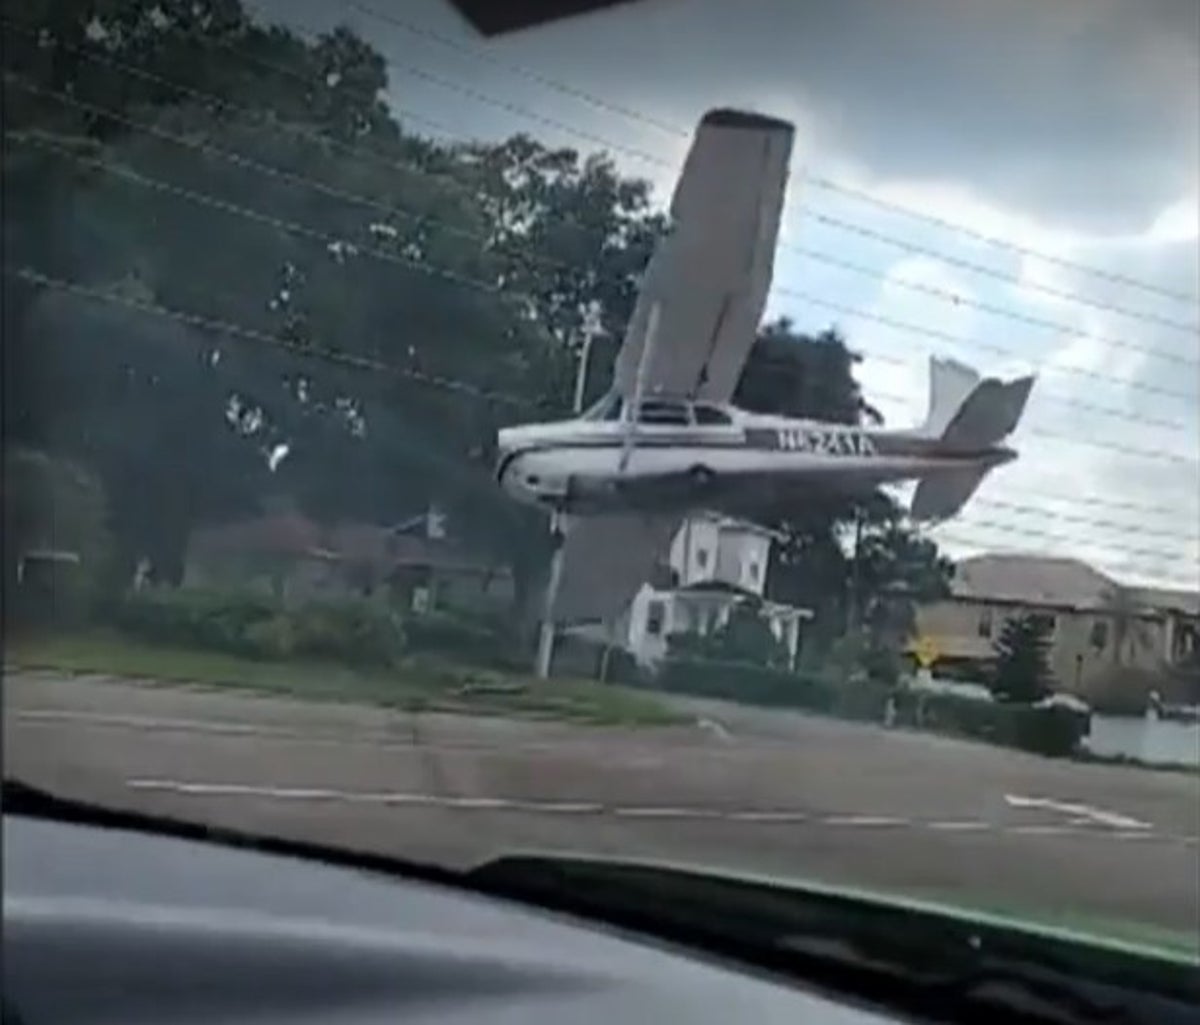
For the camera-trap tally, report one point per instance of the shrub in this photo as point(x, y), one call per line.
point(1052, 731)
point(474, 639)
point(746, 682)
point(256, 625)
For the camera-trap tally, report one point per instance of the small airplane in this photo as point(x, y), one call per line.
point(665, 440)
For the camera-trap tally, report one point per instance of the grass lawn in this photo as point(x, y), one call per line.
point(418, 685)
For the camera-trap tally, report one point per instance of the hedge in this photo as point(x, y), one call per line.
point(1053, 731)
point(256, 625)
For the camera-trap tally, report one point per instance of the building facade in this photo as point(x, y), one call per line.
point(716, 564)
point(1107, 639)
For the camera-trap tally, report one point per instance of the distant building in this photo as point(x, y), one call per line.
point(716, 564)
point(1107, 638)
point(412, 564)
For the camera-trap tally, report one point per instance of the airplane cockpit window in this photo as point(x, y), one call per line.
point(607, 407)
point(663, 413)
point(711, 416)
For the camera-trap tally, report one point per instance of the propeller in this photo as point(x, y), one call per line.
point(633, 409)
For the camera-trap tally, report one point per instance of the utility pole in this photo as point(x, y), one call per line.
point(548, 628)
point(852, 610)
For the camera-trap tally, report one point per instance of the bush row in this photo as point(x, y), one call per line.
point(356, 631)
point(257, 625)
point(1052, 730)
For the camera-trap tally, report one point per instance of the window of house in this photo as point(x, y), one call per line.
point(1099, 635)
point(753, 571)
point(1047, 620)
point(702, 558)
point(711, 416)
point(655, 614)
point(985, 623)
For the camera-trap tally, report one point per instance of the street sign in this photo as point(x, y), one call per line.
point(926, 651)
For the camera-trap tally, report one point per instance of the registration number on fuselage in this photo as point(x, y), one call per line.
point(825, 443)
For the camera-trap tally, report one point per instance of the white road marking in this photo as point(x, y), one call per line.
point(715, 728)
point(666, 813)
point(145, 722)
point(959, 825)
point(487, 803)
point(1080, 811)
point(768, 816)
point(1042, 830)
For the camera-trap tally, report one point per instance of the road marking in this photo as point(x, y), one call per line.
point(715, 728)
point(553, 807)
point(959, 825)
point(1079, 811)
point(1042, 830)
point(768, 816)
point(667, 813)
point(863, 820)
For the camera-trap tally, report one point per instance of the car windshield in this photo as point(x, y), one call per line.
point(298, 297)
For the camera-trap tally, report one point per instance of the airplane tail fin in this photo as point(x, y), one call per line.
point(966, 415)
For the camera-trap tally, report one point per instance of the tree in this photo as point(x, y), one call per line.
point(793, 374)
point(1022, 659)
point(745, 637)
point(53, 505)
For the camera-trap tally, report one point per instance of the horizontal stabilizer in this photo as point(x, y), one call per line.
point(989, 414)
point(943, 493)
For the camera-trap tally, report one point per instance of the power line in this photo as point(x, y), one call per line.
point(1005, 528)
point(946, 336)
point(361, 363)
point(1112, 276)
point(423, 267)
point(991, 272)
point(301, 180)
point(679, 131)
point(400, 212)
point(1125, 528)
point(999, 311)
point(249, 334)
point(534, 76)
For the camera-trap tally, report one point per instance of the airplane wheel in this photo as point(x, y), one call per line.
point(702, 476)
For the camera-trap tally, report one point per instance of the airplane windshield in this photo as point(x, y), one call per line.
point(607, 408)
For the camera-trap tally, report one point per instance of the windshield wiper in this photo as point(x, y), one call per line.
point(937, 966)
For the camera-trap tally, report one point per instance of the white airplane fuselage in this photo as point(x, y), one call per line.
point(593, 466)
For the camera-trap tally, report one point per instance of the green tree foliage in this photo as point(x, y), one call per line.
point(299, 295)
point(1022, 659)
point(813, 376)
point(52, 505)
point(746, 637)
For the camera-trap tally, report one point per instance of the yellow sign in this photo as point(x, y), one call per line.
point(926, 652)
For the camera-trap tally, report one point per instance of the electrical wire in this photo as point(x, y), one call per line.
point(403, 213)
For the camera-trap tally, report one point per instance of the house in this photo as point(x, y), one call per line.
point(1106, 637)
point(411, 563)
point(716, 564)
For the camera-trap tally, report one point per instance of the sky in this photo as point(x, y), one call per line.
point(1067, 129)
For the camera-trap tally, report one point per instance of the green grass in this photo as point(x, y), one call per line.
point(419, 684)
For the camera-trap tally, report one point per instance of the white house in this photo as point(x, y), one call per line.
point(716, 563)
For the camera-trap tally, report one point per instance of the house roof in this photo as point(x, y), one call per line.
point(1172, 599)
point(1033, 579)
point(1059, 582)
point(294, 535)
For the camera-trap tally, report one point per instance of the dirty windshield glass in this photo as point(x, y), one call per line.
point(302, 302)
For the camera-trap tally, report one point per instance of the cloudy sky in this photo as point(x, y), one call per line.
point(1070, 129)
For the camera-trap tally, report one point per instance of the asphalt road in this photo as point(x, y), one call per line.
point(751, 789)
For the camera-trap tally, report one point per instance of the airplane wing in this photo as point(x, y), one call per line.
point(606, 559)
point(710, 276)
